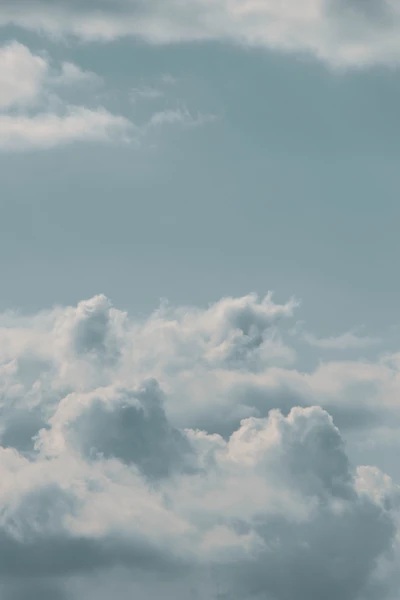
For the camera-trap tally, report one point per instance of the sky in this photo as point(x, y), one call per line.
point(199, 331)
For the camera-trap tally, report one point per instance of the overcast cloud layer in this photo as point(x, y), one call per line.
point(339, 32)
point(184, 456)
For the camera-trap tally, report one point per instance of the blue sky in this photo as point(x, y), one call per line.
point(291, 186)
point(165, 420)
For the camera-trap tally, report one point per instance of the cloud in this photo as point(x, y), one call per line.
point(22, 75)
point(50, 130)
point(38, 107)
point(145, 92)
point(27, 78)
point(178, 117)
point(126, 424)
point(350, 33)
point(33, 115)
point(184, 451)
point(71, 74)
point(345, 341)
point(168, 79)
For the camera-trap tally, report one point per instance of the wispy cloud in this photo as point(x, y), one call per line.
point(168, 79)
point(71, 74)
point(145, 92)
point(181, 117)
point(159, 88)
point(345, 341)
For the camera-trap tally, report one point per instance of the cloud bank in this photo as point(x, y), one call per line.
point(349, 33)
point(185, 456)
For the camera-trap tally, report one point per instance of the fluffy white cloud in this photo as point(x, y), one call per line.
point(26, 77)
point(184, 452)
point(34, 116)
point(21, 75)
point(340, 32)
point(47, 130)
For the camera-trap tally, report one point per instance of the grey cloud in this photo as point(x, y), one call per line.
point(59, 556)
point(33, 591)
point(144, 446)
point(92, 330)
point(331, 558)
point(315, 447)
point(129, 425)
point(318, 556)
point(377, 13)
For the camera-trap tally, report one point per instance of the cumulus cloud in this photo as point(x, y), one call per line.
point(342, 33)
point(126, 424)
point(21, 75)
point(33, 115)
point(185, 453)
